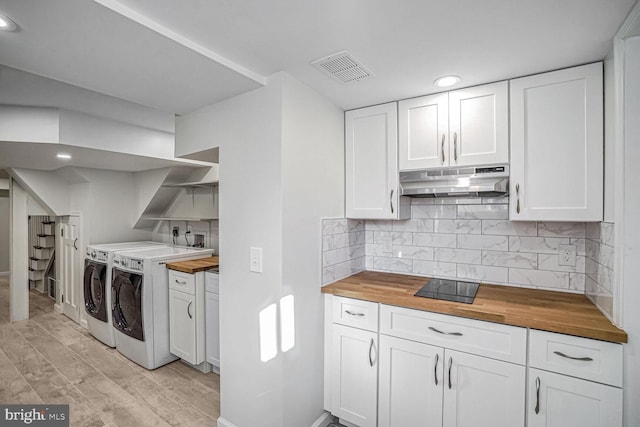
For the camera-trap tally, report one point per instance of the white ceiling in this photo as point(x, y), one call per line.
point(180, 55)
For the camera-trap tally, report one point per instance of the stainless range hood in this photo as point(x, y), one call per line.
point(485, 181)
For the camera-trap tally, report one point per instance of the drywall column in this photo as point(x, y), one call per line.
point(5, 209)
point(19, 254)
point(630, 246)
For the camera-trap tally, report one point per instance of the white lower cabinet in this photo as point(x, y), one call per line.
point(560, 401)
point(186, 316)
point(354, 383)
point(212, 317)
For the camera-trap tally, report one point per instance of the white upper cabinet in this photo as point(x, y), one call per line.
point(557, 146)
point(371, 141)
point(459, 128)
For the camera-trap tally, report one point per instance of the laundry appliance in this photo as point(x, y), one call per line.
point(140, 309)
point(97, 286)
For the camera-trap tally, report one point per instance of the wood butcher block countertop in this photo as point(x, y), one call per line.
point(562, 312)
point(195, 265)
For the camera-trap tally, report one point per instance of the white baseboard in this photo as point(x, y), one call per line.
point(57, 307)
point(323, 421)
point(84, 323)
point(224, 423)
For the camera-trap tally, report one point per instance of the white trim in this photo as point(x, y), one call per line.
point(619, 172)
point(324, 420)
point(57, 307)
point(5, 273)
point(632, 19)
point(225, 423)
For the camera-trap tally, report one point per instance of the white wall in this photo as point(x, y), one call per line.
point(19, 255)
point(610, 132)
point(29, 124)
point(312, 188)
point(631, 261)
point(4, 234)
point(50, 190)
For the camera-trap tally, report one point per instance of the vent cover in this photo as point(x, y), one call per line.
point(343, 67)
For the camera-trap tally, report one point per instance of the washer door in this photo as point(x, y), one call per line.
point(95, 300)
point(126, 292)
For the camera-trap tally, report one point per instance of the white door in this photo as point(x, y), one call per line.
point(411, 380)
point(212, 328)
point(423, 132)
point(371, 143)
point(354, 375)
point(72, 267)
point(560, 401)
point(482, 392)
point(182, 330)
point(479, 125)
point(557, 146)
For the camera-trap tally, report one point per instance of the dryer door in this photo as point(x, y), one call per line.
point(95, 301)
point(126, 292)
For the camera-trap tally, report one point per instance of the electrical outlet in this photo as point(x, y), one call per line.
point(567, 255)
point(175, 232)
point(255, 260)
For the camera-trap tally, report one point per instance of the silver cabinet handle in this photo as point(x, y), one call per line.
point(457, 334)
point(537, 395)
point(455, 146)
point(450, 365)
point(517, 197)
point(435, 369)
point(371, 358)
point(181, 282)
point(442, 148)
point(391, 200)
point(189, 309)
point(352, 313)
point(582, 359)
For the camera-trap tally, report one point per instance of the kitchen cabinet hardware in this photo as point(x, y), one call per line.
point(537, 395)
point(517, 197)
point(455, 146)
point(371, 348)
point(391, 200)
point(189, 310)
point(442, 148)
point(583, 359)
point(353, 313)
point(435, 369)
point(181, 282)
point(457, 334)
point(450, 365)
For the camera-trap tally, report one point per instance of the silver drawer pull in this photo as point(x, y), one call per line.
point(582, 359)
point(457, 334)
point(537, 409)
point(181, 282)
point(351, 313)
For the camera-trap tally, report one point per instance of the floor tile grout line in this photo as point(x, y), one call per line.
point(21, 375)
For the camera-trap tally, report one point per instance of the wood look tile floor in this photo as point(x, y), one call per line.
point(49, 359)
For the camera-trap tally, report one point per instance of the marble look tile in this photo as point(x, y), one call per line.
point(577, 282)
point(413, 252)
point(600, 274)
point(368, 262)
point(550, 262)
point(328, 275)
point(378, 225)
point(357, 238)
point(539, 278)
point(486, 274)
point(355, 225)
point(541, 245)
point(458, 201)
point(483, 212)
point(434, 240)
point(580, 245)
point(368, 236)
point(592, 249)
point(457, 226)
point(509, 228)
point(461, 256)
point(510, 259)
point(377, 249)
point(392, 264)
point(504, 200)
point(433, 211)
point(356, 251)
point(343, 270)
point(608, 233)
point(335, 241)
point(605, 256)
point(561, 229)
point(592, 231)
point(422, 201)
point(414, 225)
point(434, 269)
point(472, 241)
point(334, 226)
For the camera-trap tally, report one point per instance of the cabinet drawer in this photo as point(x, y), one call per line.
point(593, 360)
point(356, 313)
point(502, 342)
point(183, 282)
point(212, 282)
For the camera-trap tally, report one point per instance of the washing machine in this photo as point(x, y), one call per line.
point(140, 309)
point(98, 264)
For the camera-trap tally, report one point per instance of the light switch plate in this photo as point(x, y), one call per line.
point(255, 260)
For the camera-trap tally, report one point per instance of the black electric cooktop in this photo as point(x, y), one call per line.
point(449, 290)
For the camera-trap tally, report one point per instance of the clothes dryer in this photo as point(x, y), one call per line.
point(98, 264)
point(140, 309)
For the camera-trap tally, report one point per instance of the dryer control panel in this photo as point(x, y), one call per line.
point(95, 255)
point(134, 264)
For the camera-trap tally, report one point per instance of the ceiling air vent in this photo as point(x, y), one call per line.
point(343, 66)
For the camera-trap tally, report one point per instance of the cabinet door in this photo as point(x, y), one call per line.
point(557, 146)
point(371, 143)
point(182, 332)
point(482, 392)
point(423, 132)
point(410, 383)
point(478, 125)
point(560, 401)
point(354, 375)
point(212, 328)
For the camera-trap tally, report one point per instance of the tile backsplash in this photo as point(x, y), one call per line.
point(599, 267)
point(343, 248)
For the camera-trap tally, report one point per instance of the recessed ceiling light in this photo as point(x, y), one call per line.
point(63, 156)
point(6, 24)
point(446, 81)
